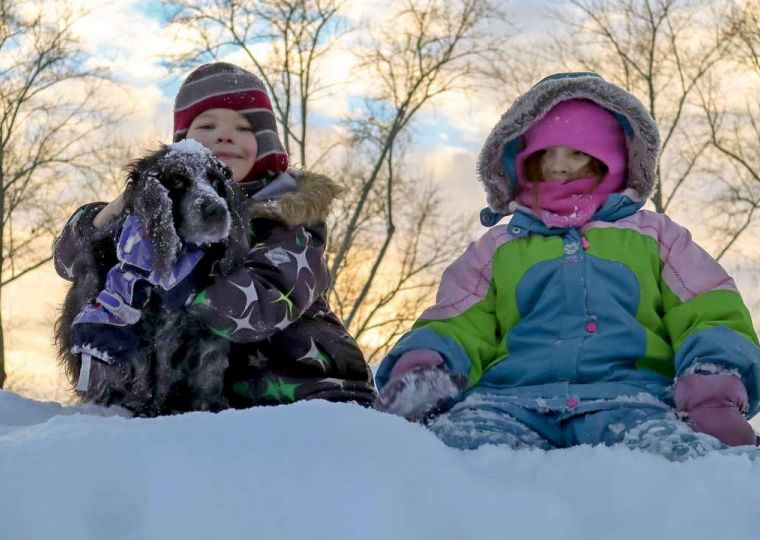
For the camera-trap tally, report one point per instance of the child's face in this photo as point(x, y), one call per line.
point(562, 163)
point(229, 136)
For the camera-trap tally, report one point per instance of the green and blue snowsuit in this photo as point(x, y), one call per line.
point(573, 336)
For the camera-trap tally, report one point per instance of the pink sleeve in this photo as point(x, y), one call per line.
point(467, 280)
point(687, 269)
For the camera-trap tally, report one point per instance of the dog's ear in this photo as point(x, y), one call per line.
point(236, 244)
point(149, 201)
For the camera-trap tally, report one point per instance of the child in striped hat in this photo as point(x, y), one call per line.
point(286, 343)
point(214, 93)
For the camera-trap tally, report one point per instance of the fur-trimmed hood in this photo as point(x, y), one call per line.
point(305, 200)
point(496, 163)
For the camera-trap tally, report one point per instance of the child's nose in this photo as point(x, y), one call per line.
point(225, 134)
point(559, 165)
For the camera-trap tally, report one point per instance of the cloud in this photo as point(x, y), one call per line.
point(122, 37)
point(452, 169)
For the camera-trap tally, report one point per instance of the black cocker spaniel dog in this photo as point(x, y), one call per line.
point(179, 198)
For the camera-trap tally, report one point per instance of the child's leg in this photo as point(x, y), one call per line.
point(473, 423)
point(650, 429)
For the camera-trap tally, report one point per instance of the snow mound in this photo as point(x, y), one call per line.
point(320, 470)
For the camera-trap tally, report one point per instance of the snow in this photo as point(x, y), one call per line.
point(336, 471)
point(189, 146)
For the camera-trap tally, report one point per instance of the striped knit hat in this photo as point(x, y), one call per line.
point(225, 86)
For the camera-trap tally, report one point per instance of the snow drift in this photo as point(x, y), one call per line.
point(337, 471)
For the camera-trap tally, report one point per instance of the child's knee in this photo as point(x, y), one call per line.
point(611, 426)
point(671, 438)
point(471, 428)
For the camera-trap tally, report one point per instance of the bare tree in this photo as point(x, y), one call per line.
point(734, 131)
point(48, 121)
point(401, 244)
point(433, 47)
point(298, 34)
point(735, 136)
point(745, 26)
point(659, 50)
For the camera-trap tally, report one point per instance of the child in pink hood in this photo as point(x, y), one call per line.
point(584, 319)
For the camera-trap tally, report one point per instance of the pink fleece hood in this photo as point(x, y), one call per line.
point(590, 128)
point(581, 124)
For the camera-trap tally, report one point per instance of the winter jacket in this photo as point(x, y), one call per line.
point(582, 319)
point(286, 343)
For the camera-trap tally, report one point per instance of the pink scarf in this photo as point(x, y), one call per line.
point(570, 203)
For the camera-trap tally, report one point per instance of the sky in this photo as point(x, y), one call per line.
point(127, 37)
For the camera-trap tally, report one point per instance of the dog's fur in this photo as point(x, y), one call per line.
point(178, 197)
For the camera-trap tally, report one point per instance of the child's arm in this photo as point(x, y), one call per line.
point(284, 274)
point(82, 244)
point(109, 213)
point(704, 314)
point(462, 326)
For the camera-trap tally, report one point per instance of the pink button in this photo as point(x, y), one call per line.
point(572, 403)
point(591, 327)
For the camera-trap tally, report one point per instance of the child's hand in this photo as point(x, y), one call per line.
point(109, 212)
point(714, 405)
point(103, 336)
point(417, 393)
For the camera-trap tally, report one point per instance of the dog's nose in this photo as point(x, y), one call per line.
point(212, 210)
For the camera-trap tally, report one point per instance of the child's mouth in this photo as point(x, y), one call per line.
point(226, 155)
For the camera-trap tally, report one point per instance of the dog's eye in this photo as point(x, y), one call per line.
point(176, 181)
point(217, 183)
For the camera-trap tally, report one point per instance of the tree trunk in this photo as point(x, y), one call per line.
point(2, 349)
point(2, 247)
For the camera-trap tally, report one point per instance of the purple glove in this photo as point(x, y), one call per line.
point(419, 386)
point(714, 405)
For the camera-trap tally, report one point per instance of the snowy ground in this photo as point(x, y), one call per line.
point(332, 471)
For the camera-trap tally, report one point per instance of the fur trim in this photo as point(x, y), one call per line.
point(307, 206)
point(643, 142)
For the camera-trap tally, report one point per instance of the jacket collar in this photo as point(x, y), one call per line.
point(293, 197)
point(525, 222)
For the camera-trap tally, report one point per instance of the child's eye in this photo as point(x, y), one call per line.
point(245, 128)
point(205, 126)
point(580, 154)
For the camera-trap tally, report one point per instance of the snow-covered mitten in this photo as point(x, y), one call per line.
point(713, 404)
point(419, 387)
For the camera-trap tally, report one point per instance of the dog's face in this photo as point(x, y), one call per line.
point(181, 194)
point(194, 182)
point(196, 186)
